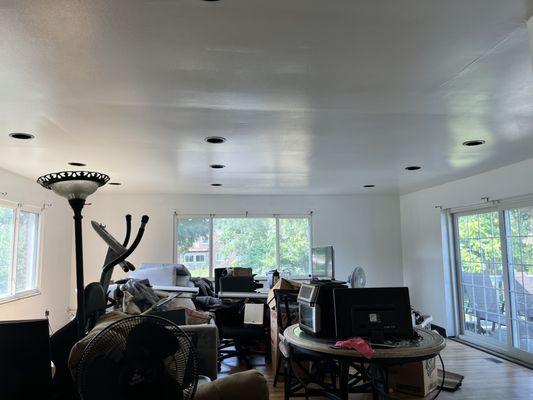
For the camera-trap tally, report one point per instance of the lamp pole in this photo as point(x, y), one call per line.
point(75, 186)
point(77, 206)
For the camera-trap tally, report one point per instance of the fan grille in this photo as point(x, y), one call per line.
point(135, 356)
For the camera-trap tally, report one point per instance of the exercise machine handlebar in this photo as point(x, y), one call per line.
point(130, 250)
point(128, 230)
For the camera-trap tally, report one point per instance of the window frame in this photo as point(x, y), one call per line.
point(18, 208)
point(211, 217)
point(501, 208)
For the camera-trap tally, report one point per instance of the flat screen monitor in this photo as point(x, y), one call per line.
point(322, 262)
point(375, 313)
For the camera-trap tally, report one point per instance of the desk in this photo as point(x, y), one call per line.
point(178, 289)
point(242, 295)
point(367, 371)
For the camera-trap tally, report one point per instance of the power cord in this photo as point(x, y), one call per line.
point(443, 378)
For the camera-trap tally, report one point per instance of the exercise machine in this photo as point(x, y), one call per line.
point(96, 302)
point(117, 255)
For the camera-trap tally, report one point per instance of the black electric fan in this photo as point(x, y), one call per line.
point(139, 357)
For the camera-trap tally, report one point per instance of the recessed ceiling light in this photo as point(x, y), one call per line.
point(115, 183)
point(217, 166)
point(413, 168)
point(77, 164)
point(216, 184)
point(472, 143)
point(369, 186)
point(22, 135)
point(215, 139)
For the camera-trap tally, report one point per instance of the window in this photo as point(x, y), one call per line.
point(193, 236)
point(246, 242)
point(260, 243)
point(7, 230)
point(494, 253)
point(294, 246)
point(19, 248)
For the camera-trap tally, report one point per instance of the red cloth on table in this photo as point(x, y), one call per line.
point(359, 344)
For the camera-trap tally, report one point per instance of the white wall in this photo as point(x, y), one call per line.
point(364, 229)
point(56, 252)
point(424, 270)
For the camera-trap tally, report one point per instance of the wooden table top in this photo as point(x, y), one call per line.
point(430, 344)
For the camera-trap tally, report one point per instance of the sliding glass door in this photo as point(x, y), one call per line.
point(494, 256)
point(519, 240)
point(481, 276)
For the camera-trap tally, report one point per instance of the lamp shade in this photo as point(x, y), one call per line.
point(73, 184)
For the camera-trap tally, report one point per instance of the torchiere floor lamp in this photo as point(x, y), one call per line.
point(76, 186)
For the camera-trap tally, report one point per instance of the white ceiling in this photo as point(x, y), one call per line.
point(314, 97)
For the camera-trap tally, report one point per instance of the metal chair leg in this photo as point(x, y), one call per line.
point(278, 366)
point(287, 378)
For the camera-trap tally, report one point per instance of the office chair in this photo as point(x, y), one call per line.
point(238, 339)
point(287, 314)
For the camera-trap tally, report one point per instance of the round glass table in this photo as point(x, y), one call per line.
point(353, 373)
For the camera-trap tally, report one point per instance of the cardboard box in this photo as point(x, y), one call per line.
point(274, 338)
point(274, 330)
point(281, 284)
point(418, 378)
point(240, 271)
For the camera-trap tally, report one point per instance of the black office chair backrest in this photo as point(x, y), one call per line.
point(219, 273)
point(230, 313)
point(286, 307)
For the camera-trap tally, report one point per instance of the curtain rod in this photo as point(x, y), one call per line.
point(486, 202)
point(245, 214)
point(21, 204)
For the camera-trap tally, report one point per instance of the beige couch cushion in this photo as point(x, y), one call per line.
point(245, 385)
point(105, 320)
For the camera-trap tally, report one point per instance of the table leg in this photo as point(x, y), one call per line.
point(374, 371)
point(379, 383)
point(344, 376)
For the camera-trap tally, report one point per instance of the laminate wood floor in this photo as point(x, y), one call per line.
point(484, 379)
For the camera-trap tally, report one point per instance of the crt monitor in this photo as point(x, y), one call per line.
point(322, 262)
point(375, 313)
